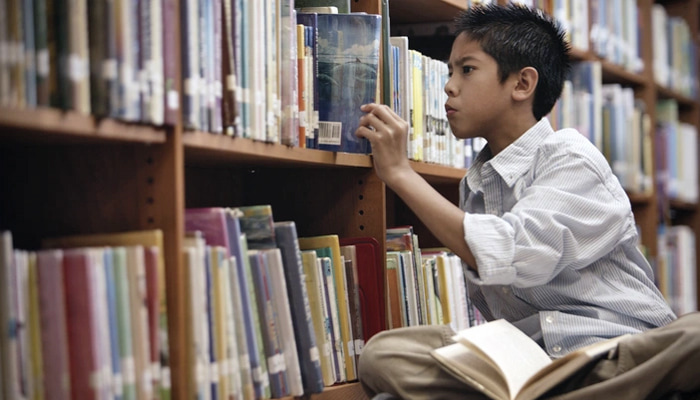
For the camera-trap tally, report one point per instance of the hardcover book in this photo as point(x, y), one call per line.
point(343, 6)
point(317, 303)
point(502, 362)
point(370, 274)
point(332, 243)
point(52, 316)
point(288, 243)
point(348, 65)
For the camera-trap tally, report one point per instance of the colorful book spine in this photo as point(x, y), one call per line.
point(288, 243)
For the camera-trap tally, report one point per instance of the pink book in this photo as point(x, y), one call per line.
point(52, 315)
point(211, 222)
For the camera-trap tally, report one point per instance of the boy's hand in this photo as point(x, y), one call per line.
point(387, 133)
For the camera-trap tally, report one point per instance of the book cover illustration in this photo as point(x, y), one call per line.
point(348, 62)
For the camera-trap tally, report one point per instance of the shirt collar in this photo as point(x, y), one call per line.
point(513, 161)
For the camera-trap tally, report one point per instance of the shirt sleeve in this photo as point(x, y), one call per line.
point(568, 216)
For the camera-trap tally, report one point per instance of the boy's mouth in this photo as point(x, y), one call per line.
point(449, 110)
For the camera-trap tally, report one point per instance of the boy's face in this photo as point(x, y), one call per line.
point(477, 102)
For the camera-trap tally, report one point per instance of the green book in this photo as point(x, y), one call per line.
point(342, 5)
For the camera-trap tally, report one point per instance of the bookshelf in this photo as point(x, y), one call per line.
point(67, 173)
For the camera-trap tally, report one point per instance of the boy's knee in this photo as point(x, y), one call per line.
point(370, 359)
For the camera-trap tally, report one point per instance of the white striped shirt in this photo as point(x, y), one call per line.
point(555, 243)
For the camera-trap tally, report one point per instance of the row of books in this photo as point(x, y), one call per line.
point(675, 55)
point(425, 286)
point(611, 118)
point(418, 96)
point(101, 57)
point(675, 269)
point(574, 18)
point(291, 313)
point(676, 154)
point(84, 322)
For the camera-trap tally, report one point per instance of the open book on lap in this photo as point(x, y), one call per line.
point(499, 360)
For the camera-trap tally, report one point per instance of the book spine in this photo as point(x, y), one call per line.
point(304, 333)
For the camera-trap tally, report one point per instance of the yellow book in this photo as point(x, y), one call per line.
point(332, 242)
point(313, 287)
point(418, 115)
point(219, 365)
point(37, 363)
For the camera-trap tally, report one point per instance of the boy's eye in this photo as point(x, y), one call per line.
point(467, 69)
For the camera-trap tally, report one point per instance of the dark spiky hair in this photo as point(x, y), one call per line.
point(517, 37)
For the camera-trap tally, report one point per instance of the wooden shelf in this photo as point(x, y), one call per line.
point(203, 148)
point(438, 174)
point(410, 11)
point(206, 149)
point(48, 125)
point(346, 391)
point(683, 206)
point(618, 74)
point(683, 101)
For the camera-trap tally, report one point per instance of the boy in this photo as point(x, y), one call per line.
point(544, 229)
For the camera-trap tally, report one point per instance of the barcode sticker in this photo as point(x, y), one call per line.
point(313, 353)
point(330, 132)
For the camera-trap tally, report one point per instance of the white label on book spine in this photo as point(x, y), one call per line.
point(235, 368)
point(173, 100)
point(359, 345)
point(214, 372)
point(330, 133)
point(199, 373)
point(257, 374)
point(351, 349)
point(155, 370)
point(147, 382)
point(76, 68)
point(244, 360)
point(275, 364)
point(313, 353)
point(231, 82)
point(42, 63)
point(110, 69)
point(95, 378)
point(165, 382)
point(117, 384)
point(224, 368)
point(128, 370)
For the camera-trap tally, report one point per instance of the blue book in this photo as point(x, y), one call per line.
point(348, 66)
point(277, 370)
point(310, 363)
point(238, 248)
point(310, 21)
point(110, 286)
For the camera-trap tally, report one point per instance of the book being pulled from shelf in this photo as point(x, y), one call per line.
point(348, 65)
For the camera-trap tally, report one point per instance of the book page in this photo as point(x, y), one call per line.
point(473, 369)
point(516, 355)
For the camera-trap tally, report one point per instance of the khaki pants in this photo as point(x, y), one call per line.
point(655, 364)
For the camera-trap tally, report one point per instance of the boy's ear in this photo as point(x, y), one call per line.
point(526, 83)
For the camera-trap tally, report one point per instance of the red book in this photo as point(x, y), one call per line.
point(83, 358)
point(370, 273)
